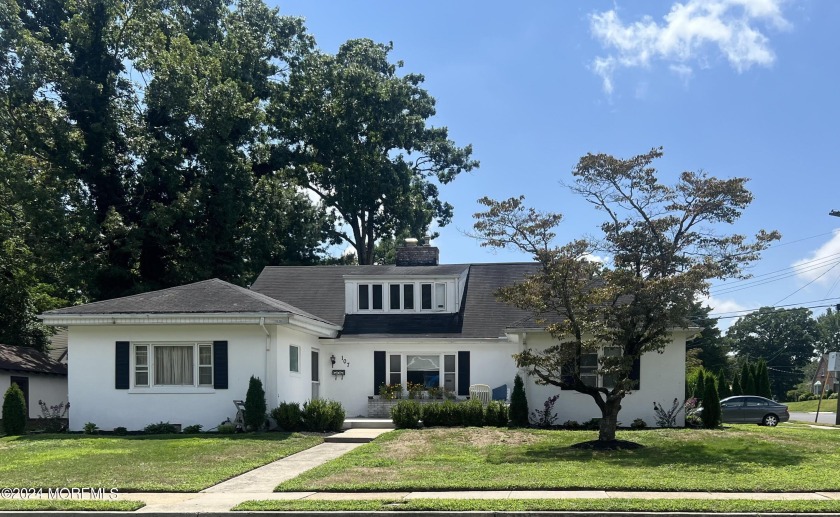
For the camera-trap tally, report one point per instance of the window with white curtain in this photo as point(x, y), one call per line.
point(173, 364)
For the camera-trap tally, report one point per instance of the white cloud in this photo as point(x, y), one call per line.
point(725, 307)
point(686, 34)
point(815, 266)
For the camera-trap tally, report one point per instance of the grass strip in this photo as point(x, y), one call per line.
point(42, 505)
point(164, 463)
point(738, 458)
point(533, 505)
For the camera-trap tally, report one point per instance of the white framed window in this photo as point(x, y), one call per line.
point(173, 364)
point(589, 368)
point(371, 297)
point(608, 379)
point(401, 297)
point(433, 296)
point(430, 370)
point(294, 358)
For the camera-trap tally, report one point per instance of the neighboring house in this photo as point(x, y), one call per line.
point(38, 375)
point(58, 346)
point(339, 332)
point(824, 379)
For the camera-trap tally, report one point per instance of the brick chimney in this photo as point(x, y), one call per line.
point(413, 255)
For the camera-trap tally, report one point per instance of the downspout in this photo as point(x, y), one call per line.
point(267, 348)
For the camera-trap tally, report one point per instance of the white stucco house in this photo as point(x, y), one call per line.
point(183, 354)
point(38, 375)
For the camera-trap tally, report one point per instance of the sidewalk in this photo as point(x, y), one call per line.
point(223, 501)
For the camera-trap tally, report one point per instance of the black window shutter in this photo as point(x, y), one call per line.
point(378, 371)
point(636, 372)
point(463, 373)
point(122, 365)
point(220, 365)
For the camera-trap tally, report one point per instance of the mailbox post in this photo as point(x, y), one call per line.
point(834, 366)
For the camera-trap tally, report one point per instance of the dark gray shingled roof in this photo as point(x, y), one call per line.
point(206, 297)
point(23, 359)
point(320, 290)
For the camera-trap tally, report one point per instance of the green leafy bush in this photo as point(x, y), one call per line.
point(288, 416)
point(323, 415)
point(90, 428)
point(572, 425)
point(406, 414)
point(226, 428)
point(472, 413)
point(593, 424)
point(14, 411)
point(638, 423)
point(255, 407)
point(193, 429)
point(496, 414)
point(444, 414)
point(161, 428)
point(518, 404)
point(120, 431)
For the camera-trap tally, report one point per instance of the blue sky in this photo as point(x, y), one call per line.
point(733, 87)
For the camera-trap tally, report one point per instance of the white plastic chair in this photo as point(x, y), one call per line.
point(480, 392)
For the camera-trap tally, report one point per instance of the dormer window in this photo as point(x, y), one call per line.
point(433, 296)
point(400, 296)
point(370, 297)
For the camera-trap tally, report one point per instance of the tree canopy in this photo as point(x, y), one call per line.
point(784, 338)
point(355, 133)
point(152, 143)
point(664, 248)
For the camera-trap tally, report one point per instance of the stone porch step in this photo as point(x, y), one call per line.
point(356, 435)
point(368, 423)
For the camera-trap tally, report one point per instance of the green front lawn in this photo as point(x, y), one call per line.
point(809, 406)
point(741, 458)
point(44, 505)
point(165, 463)
point(547, 505)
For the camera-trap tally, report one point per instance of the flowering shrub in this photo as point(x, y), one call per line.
point(415, 390)
point(53, 417)
point(390, 391)
point(545, 417)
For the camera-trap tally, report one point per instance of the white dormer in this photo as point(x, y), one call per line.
point(402, 294)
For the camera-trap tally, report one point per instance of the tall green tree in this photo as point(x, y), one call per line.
point(710, 347)
point(724, 390)
point(737, 389)
point(747, 380)
point(355, 133)
point(828, 331)
point(784, 338)
point(762, 379)
point(664, 251)
point(711, 415)
point(135, 130)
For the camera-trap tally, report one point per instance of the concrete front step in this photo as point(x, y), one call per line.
point(368, 423)
point(355, 435)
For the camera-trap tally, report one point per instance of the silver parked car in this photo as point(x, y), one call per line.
point(751, 409)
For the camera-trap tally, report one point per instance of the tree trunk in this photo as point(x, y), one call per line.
point(609, 419)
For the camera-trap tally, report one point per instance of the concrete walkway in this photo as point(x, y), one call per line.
point(258, 483)
point(208, 502)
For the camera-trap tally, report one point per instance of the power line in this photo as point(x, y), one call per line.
point(806, 285)
point(778, 310)
point(788, 272)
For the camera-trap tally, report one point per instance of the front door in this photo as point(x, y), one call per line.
point(316, 378)
point(23, 384)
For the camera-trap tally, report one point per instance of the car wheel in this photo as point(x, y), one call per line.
point(770, 420)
